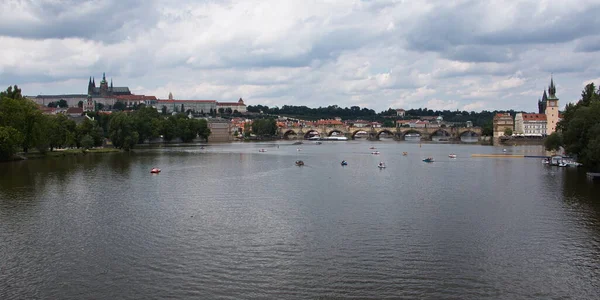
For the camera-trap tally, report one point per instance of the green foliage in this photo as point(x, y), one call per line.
point(179, 126)
point(22, 115)
point(581, 128)
point(121, 131)
point(91, 128)
point(508, 131)
point(553, 142)
point(119, 106)
point(80, 104)
point(388, 123)
point(12, 92)
point(87, 142)
point(147, 123)
point(264, 127)
point(62, 103)
point(10, 141)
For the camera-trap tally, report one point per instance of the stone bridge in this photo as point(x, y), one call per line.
point(374, 133)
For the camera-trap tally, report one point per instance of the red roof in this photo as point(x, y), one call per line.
point(230, 104)
point(329, 122)
point(534, 117)
point(74, 110)
point(184, 101)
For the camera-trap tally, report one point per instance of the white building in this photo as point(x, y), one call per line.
point(531, 124)
point(235, 106)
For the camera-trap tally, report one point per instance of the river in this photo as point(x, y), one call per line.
point(228, 222)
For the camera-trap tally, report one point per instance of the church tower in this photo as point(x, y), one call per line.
point(104, 86)
point(551, 110)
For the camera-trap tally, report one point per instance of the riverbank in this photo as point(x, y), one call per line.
point(60, 153)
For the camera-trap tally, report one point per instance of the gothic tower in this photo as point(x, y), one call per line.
point(104, 86)
point(551, 111)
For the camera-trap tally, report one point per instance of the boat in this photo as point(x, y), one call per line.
point(375, 152)
point(381, 165)
point(334, 138)
point(318, 143)
point(155, 171)
point(299, 149)
point(563, 164)
point(428, 160)
point(372, 148)
point(262, 150)
point(452, 155)
point(546, 161)
point(404, 153)
point(297, 143)
point(299, 163)
point(344, 163)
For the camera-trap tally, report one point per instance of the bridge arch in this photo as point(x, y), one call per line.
point(470, 132)
point(386, 131)
point(443, 131)
point(357, 131)
point(313, 131)
point(411, 131)
point(288, 133)
point(339, 132)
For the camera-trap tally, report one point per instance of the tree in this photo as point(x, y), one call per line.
point(228, 111)
point(553, 142)
point(581, 128)
point(87, 142)
point(264, 127)
point(119, 106)
point(80, 104)
point(147, 123)
point(21, 114)
point(221, 110)
point(12, 92)
point(388, 123)
point(163, 110)
point(122, 132)
point(99, 106)
point(52, 104)
point(62, 103)
point(508, 131)
point(10, 140)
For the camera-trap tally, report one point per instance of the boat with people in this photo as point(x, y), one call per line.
point(428, 160)
point(404, 153)
point(381, 165)
point(452, 155)
point(262, 150)
point(344, 163)
point(375, 152)
point(372, 148)
point(299, 163)
point(155, 171)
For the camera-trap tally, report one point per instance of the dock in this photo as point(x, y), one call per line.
point(593, 176)
point(498, 155)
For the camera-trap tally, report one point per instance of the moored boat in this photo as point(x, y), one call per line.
point(428, 160)
point(155, 171)
point(381, 165)
point(299, 163)
point(344, 163)
point(452, 155)
point(375, 152)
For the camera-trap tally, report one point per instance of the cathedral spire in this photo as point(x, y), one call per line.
point(552, 88)
point(111, 86)
point(93, 82)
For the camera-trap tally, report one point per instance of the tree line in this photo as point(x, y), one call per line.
point(579, 130)
point(23, 127)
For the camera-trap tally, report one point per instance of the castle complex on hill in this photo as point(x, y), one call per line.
point(107, 95)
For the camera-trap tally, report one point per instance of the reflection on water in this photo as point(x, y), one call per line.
point(228, 221)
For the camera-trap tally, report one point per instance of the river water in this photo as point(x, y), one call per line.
point(229, 222)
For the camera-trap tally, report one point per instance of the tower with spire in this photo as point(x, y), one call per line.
point(105, 89)
point(551, 108)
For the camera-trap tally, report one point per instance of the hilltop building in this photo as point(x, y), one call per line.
point(530, 124)
point(234, 106)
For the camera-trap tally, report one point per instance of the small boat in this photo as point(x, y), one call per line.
point(298, 149)
point(299, 163)
point(375, 152)
point(381, 165)
point(404, 153)
point(452, 155)
point(428, 160)
point(563, 164)
point(155, 171)
point(344, 163)
point(546, 161)
point(372, 148)
point(262, 150)
point(503, 150)
point(297, 143)
point(318, 143)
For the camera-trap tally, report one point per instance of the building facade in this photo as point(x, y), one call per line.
point(552, 112)
point(199, 106)
point(530, 124)
point(234, 106)
point(220, 130)
point(502, 121)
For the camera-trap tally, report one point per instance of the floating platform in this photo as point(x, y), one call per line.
point(498, 155)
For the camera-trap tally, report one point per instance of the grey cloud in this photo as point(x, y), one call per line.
point(108, 21)
point(588, 44)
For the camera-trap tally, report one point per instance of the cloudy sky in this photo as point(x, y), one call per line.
point(470, 55)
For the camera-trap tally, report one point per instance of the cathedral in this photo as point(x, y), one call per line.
point(105, 90)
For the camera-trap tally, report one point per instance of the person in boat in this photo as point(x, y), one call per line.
point(381, 164)
point(344, 162)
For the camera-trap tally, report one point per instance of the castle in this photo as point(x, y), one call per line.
point(104, 90)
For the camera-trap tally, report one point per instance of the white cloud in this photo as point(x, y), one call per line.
point(376, 53)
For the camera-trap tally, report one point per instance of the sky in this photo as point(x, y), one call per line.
point(466, 55)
